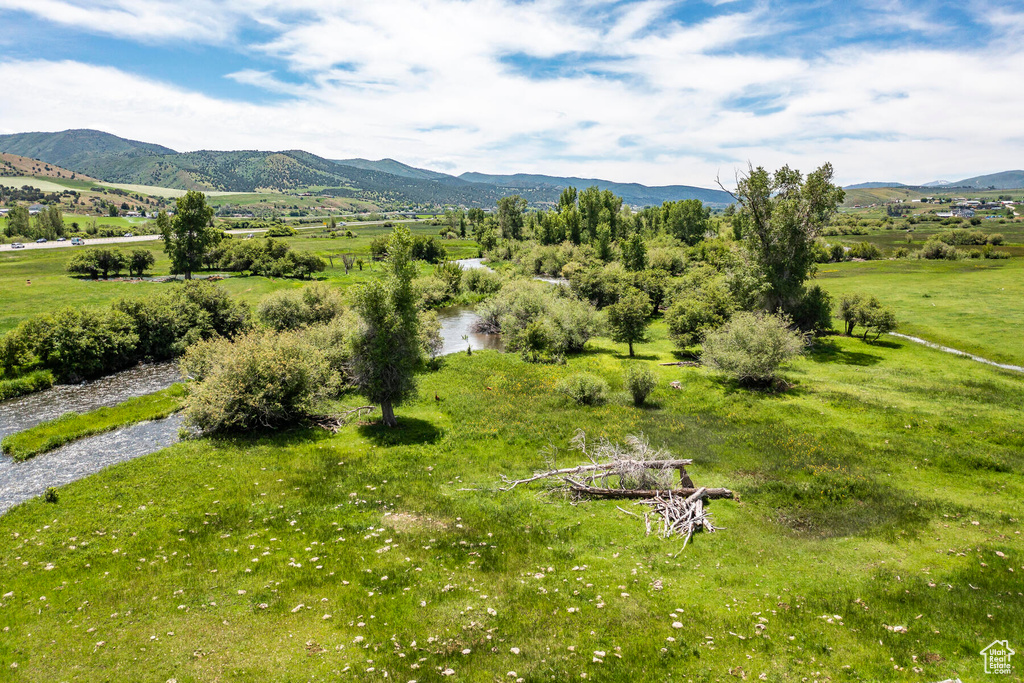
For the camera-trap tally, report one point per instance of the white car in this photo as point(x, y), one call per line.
point(17, 245)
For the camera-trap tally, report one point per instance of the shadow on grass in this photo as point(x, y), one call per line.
point(410, 431)
point(829, 352)
point(780, 388)
point(637, 356)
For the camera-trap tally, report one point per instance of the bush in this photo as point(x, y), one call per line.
point(536, 319)
point(865, 251)
point(51, 495)
point(291, 309)
point(639, 382)
point(583, 388)
point(934, 250)
point(261, 380)
point(813, 313)
point(280, 230)
point(432, 292)
point(481, 281)
point(751, 347)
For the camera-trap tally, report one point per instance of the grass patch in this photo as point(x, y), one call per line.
point(303, 554)
point(69, 427)
point(29, 383)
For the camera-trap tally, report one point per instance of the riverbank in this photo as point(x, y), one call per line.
point(889, 476)
point(52, 434)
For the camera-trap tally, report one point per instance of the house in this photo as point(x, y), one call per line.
point(4, 212)
point(997, 657)
point(963, 213)
point(35, 208)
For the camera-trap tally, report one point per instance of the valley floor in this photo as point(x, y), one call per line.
point(877, 536)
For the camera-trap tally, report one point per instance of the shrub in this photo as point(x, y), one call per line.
point(51, 495)
point(432, 292)
point(583, 388)
point(261, 380)
point(934, 250)
point(481, 281)
point(995, 238)
point(292, 309)
point(535, 319)
point(813, 312)
point(865, 251)
point(900, 252)
point(751, 347)
point(639, 382)
point(280, 230)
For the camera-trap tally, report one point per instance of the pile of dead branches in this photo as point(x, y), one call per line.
point(635, 470)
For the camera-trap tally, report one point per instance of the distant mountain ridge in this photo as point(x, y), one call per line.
point(872, 186)
point(1004, 180)
point(632, 193)
point(113, 159)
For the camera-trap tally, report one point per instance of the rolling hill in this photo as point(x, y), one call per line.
point(15, 165)
point(117, 160)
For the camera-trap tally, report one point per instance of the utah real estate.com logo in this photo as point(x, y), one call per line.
point(997, 657)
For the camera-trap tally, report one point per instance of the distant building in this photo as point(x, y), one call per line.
point(35, 208)
point(961, 212)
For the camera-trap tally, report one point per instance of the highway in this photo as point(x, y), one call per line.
point(93, 241)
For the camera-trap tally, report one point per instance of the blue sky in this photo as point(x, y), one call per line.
point(650, 91)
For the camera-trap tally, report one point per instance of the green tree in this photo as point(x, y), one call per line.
point(510, 216)
point(387, 349)
point(139, 261)
point(784, 213)
point(17, 222)
point(629, 317)
point(634, 253)
point(188, 235)
point(687, 220)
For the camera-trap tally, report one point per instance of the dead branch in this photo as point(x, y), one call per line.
point(579, 487)
point(335, 421)
point(606, 467)
point(683, 364)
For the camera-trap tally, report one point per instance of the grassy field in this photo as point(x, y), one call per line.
point(51, 286)
point(876, 537)
point(972, 305)
point(73, 426)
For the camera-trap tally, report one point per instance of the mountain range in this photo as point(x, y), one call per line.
point(1006, 180)
point(118, 160)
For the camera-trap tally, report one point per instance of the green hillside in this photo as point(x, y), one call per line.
point(631, 193)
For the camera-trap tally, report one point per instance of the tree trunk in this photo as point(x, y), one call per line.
point(630, 349)
point(388, 413)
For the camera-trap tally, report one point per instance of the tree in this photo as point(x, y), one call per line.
point(139, 261)
point(188, 235)
point(628, 319)
point(17, 221)
point(687, 220)
point(634, 253)
point(869, 313)
point(386, 349)
point(475, 216)
point(510, 216)
point(783, 214)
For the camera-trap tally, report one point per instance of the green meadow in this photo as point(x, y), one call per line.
point(972, 305)
point(35, 280)
point(876, 536)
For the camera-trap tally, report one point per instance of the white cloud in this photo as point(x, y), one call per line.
point(424, 81)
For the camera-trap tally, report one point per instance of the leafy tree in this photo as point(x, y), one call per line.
point(687, 220)
point(188, 235)
point(634, 253)
point(629, 317)
point(386, 349)
point(510, 216)
point(869, 313)
point(97, 261)
point(17, 222)
point(139, 261)
point(475, 216)
point(783, 213)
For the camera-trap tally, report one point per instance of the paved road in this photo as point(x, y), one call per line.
point(151, 238)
